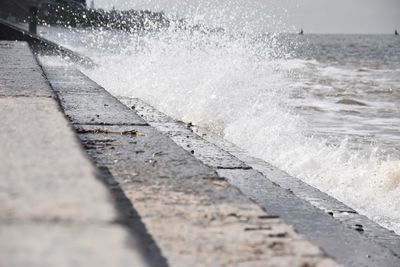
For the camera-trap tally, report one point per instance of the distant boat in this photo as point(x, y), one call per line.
point(301, 32)
point(395, 32)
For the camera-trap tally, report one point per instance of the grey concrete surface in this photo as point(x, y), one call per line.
point(45, 175)
point(20, 75)
point(183, 135)
point(54, 210)
point(347, 246)
point(72, 245)
point(84, 102)
point(185, 214)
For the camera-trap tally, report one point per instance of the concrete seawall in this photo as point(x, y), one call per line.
point(125, 185)
point(53, 209)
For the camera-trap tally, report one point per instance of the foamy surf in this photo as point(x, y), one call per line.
point(253, 90)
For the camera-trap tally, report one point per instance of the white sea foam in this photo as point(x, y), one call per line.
point(249, 91)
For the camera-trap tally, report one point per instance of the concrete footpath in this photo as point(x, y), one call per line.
point(53, 209)
point(147, 203)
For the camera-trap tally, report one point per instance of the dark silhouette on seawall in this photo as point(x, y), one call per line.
point(396, 32)
point(301, 32)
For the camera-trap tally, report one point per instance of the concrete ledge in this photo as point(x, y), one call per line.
point(46, 175)
point(347, 245)
point(20, 75)
point(299, 204)
point(183, 135)
point(85, 102)
point(331, 206)
point(50, 245)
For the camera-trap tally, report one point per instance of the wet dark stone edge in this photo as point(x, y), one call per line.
point(346, 246)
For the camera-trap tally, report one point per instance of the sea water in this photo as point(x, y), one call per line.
point(324, 108)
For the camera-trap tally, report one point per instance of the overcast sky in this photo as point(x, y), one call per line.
point(318, 16)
